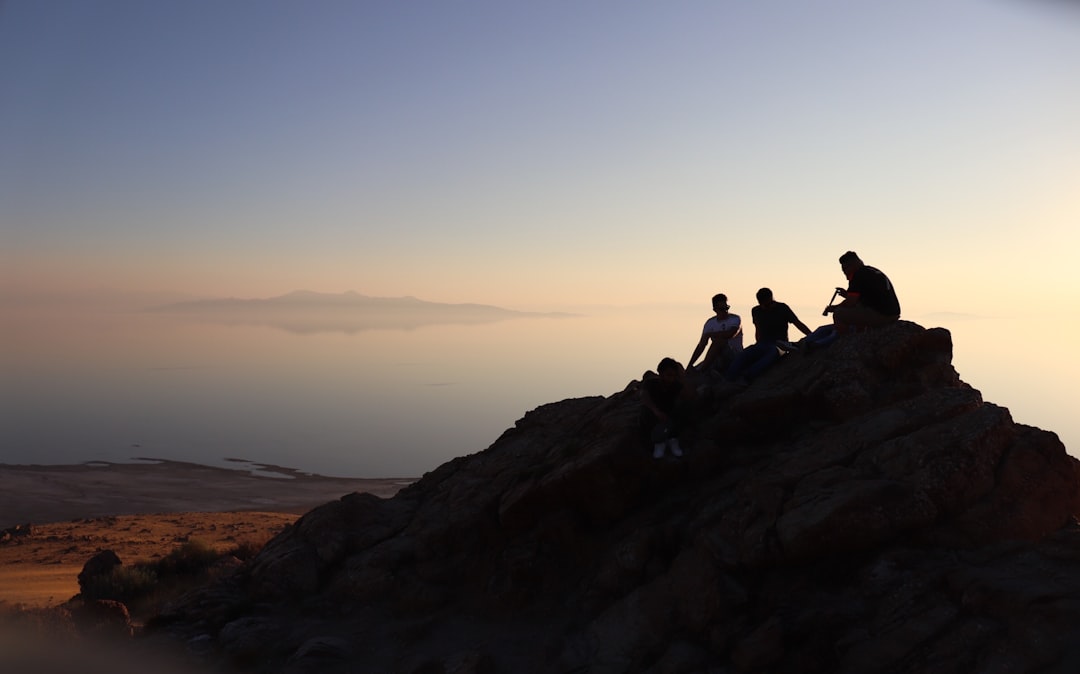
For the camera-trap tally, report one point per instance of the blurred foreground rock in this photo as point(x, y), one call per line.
point(859, 509)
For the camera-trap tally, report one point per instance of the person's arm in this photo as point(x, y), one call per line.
point(801, 326)
point(794, 320)
point(737, 330)
point(854, 288)
point(702, 343)
point(851, 298)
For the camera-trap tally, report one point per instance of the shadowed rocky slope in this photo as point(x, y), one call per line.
point(859, 509)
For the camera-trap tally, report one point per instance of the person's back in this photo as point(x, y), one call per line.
point(772, 321)
point(876, 290)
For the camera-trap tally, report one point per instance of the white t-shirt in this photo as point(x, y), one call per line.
point(715, 324)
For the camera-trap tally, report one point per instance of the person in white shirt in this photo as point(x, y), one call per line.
point(724, 330)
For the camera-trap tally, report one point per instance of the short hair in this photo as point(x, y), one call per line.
point(850, 257)
point(764, 294)
point(719, 297)
point(668, 364)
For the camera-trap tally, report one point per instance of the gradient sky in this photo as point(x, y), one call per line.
point(542, 154)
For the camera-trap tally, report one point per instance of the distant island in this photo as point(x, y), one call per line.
point(304, 311)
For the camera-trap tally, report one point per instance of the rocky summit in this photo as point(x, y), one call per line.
point(854, 510)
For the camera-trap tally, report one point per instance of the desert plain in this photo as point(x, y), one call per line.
point(142, 511)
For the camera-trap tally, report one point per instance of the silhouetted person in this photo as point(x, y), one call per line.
point(869, 301)
point(661, 408)
point(771, 320)
point(724, 330)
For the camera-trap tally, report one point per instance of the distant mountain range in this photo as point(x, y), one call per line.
point(304, 311)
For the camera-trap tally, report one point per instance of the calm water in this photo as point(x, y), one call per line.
point(347, 401)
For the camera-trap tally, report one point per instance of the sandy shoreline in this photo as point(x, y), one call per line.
point(47, 493)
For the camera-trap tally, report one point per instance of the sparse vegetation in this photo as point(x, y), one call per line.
point(246, 550)
point(122, 583)
point(148, 584)
point(192, 558)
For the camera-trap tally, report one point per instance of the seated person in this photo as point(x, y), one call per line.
point(771, 320)
point(869, 301)
point(662, 410)
point(724, 330)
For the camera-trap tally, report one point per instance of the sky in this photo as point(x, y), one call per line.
point(542, 155)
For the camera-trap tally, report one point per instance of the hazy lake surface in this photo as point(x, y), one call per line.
point(345, 400)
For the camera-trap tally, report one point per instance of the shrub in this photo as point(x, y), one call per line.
point(246, 550)
point(122, 583)
point(193, 557)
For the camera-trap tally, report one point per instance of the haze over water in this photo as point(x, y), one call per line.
point(367, 403)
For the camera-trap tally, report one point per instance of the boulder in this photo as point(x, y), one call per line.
point(101, 564)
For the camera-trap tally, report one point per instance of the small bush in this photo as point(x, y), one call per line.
point(123, 583)
point(192, 558)
point(247, 549)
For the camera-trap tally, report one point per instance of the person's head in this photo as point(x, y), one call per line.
point(669, 370)
point(849, 262)
point(719, 303)
point(764, 296)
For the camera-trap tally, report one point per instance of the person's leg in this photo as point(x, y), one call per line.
point(827, 337)
point(718, 357)
point(854, 317)
point(660, 434)
point(763, 362)
point(680, 418)
point(740, 363)
point(823, 336)
point(747, 359)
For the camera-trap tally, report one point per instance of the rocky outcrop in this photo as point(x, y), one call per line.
point(858, 509)
point(17, 533)
point(99, 566)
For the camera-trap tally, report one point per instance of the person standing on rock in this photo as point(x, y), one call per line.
point(771, 320)
point(724, 330)
point(663, 399)
point(869, 301)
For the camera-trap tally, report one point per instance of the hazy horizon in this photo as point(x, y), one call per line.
point(347, 398)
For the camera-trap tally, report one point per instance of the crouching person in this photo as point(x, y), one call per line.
point(664, 399)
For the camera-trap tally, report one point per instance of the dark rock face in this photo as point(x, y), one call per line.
point(101, 564)
point(855, 510)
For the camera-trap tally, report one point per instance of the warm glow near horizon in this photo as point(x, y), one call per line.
point(541, 157)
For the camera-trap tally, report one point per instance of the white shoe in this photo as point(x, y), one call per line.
point(673, 445)
point(658, 451)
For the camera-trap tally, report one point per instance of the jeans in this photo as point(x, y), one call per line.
point(753, 360)
point(661, 431)
point(823, 336)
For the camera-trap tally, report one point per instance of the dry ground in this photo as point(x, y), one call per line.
point(142, 512)
point(41, 570)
